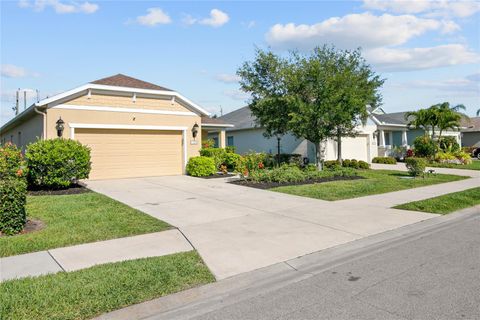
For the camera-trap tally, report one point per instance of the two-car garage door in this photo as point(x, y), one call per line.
point(124, 153)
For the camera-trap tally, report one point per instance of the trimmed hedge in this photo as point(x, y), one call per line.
point(13, 198)
point(13, 190)
point(416, 166)
point(385, 160)
point(57, 163)
point(201, 166)
point(347, 163)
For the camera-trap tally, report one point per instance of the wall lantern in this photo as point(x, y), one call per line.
point(60, 126)
point(195, 130)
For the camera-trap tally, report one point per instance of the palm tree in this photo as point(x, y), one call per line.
point(425, 119)
point(448, 117)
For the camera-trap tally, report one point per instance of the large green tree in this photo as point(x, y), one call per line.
point(316, 96)
point(264, 79)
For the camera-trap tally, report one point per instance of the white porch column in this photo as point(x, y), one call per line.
point(221, 139)
point(404, 138)
point(381, 138)
point(390, 138)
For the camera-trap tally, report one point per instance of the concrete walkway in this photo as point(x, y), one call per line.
point(238, 229)
point(90, 254)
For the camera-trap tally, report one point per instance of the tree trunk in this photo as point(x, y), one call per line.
point(278, 150)
point(339, 146)
point(319, 155)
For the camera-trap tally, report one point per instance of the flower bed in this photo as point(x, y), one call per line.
point(269, 185)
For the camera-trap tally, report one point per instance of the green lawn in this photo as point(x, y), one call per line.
point(447, 203)
point(475, 165)
point(75, 219)
point(90, 292)
point(377, 181)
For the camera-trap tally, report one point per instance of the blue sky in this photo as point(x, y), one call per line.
point(429, 51)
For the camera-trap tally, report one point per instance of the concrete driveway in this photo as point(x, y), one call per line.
point(238, 229)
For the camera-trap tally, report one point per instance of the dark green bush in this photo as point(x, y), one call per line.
point(217, 154)
point(231, 160)
point(384, 160)
point(13, 198)
point(332, 165)
point(57, 163)
point(363, 164)
point(416, 166)
point(448, 144)
point(424, 147)
point(13, 190)
point(201, 166)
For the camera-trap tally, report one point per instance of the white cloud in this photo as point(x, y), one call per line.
point(354, 30)
point(153, 17)
point(236, 94)
point(227, 78)
point(12, 71)
point(406, 59)
point(445, 8)
point(59, 6)
point(217, 18)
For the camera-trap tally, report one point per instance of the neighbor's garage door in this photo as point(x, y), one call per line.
point(132, 153)
point(355, 148)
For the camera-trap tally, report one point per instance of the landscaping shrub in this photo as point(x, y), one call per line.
point(251, 161)
point(384, 160)
point(13, 198)
point(292, 173)
point(230, 149)
point(231, 160)
point(13, 190)
point(409, 153)
point(363, 165)
point(463, 157)
point(12, 163)
point(332, 165)
point(201, 166)
point(217, 154)
point(415, 166)
point(208, 143)
point(57, 163)
point(448, 144)
point(424, 147)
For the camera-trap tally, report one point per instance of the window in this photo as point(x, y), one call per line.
point(215, 139)
point(230, 141)
point(19, 139)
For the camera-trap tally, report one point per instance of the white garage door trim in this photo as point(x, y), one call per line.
point(73, 126)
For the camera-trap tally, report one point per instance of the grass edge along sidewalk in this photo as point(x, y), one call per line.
point(446, 203)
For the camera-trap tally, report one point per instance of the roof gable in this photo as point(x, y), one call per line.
point(121, 80)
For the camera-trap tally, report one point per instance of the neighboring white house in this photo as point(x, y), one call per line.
point(378, 137)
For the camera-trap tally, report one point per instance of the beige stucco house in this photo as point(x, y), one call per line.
point(133, 128)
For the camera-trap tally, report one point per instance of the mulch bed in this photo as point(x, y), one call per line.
point(218, 175)
point(74, 189)
point(269, 185)
point(32, 225)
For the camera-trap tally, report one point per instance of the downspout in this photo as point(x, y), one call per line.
point(44, 118)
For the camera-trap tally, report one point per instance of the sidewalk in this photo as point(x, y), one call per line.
point(90, 254)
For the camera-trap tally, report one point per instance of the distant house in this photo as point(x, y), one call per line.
point(382, 133)
point(246, 136)
point(471, 132)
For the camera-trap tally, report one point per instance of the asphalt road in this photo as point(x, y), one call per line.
point(432, 276)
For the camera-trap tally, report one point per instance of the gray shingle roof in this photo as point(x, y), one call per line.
point(392, 118)
point(121, 80)
point(241, 118)
point(471, 124)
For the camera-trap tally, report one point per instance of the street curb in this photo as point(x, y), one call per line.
point(200, 300)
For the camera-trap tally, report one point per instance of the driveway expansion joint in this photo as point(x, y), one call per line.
point(58, 263)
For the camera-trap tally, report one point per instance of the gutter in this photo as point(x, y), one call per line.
point(44, 119)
